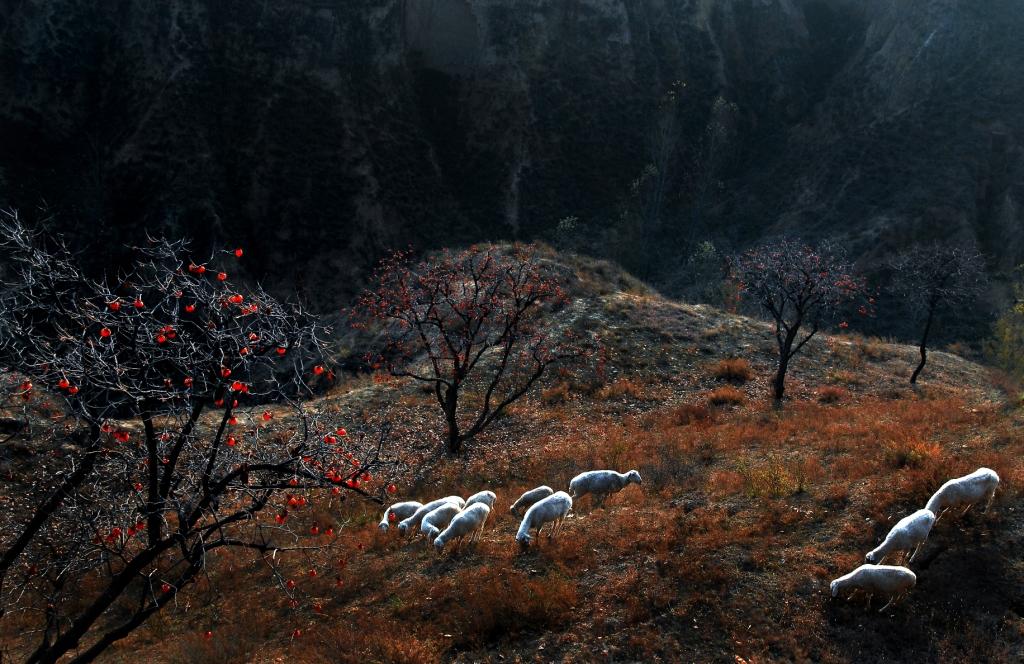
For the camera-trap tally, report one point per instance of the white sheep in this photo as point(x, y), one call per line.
point(414, 521)
point(601, 483)
point(554, 508)
point(470, 520)
point(886, 580)
point(529, 498)
point(438, 520)
point(965, 491)
point(907, 535)
point(400, 511)
point(485, 497)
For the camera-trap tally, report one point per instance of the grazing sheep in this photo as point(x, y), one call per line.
point(485, 497)
point(907, 535)
point(601, 483)
point(438, 520)
point(554, 508)
point(529, 498)
point(887, 580)
point(470, 520)
point(400, 511)
point(417, 516)
point(965, 491)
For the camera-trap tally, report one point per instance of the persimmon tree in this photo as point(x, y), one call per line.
point(935, 279)
point(182, 432)
point(473, 321)
point(800, 287)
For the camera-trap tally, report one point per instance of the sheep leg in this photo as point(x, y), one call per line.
point(891, 600)
point(966, 509)
point(916, 549)
point(988, 503)
point(853, 594)
point(939, 515)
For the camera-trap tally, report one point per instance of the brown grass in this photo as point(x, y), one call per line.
point(725, 396)
point(735, 370)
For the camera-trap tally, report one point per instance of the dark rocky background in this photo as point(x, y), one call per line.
point(319, 134)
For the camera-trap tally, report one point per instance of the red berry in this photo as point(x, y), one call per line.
point(63, 383)
point(165, 588)
point(138, 486)
point(235, 299)
point(160, 339)
point(297, 633)
point(236, 386)
point(244, 351)
point(318, 370)
point(291, 583)
point(392, 517)
point(225, 372)
point(231, 441)
point(238, 252)
point(222, 276)
point(115, 306)
point(267, 416)
point(281, 350)
point(233, 420)
point(188, 381)
point(105, 332)
point(207, 635)
point(312, 572)
point(341, 432)
point(315, 530)
point(189, 308)
point(392, 488)
point(138, 304)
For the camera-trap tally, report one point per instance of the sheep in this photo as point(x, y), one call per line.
point(529, 498)
point(965, 491)
point(398, 511)
point(908, 534)
point(417, 516)
point(601, 483)
point(553, 508)
point(438, 520)
point(889, 580)
point(485, 497)
point(470, 520)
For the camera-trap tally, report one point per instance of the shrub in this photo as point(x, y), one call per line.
point(735, 370)
point(767, 479)
point(909, 451)
point(725, 396)
point(831, 394)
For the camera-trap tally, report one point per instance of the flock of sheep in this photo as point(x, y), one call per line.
point(907, 536)
point(452, 518)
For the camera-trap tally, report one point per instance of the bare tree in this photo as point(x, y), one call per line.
point(181, 427)
point(801, 287)
point(476, 319)
point(935, 279)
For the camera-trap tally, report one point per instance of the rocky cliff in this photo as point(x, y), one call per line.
point(319, 133)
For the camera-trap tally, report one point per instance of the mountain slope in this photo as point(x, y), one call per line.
point(319, 134)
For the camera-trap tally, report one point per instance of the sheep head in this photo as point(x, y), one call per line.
point(633, 476)
point(524, 540)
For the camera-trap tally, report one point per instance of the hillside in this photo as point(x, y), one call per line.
point(321, 134)
point(723, 554)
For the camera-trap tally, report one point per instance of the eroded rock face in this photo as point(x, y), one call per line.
point(320, 134)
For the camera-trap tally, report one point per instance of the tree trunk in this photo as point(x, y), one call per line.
point(779, 384)
point(785, 355)
point(924, 346)
point(451, 407)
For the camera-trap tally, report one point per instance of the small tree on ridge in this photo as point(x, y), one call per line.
point(800, 287)
point(473, 320)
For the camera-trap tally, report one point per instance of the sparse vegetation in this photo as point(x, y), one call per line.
point(725, 396)
point(734, 369)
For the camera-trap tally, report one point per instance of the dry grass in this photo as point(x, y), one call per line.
point(735, 370)
point(832, 394)
point(725, 396)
